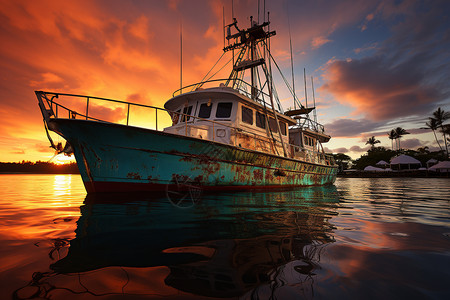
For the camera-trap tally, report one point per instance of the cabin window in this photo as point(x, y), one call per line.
point(309, 141)
point(273, 125)
point(247, 115)
point(283, 128)
point(224, 110)
point(205, 110)
point(186, 111)
point(260, 120)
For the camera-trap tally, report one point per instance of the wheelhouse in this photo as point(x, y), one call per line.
point(223, 115)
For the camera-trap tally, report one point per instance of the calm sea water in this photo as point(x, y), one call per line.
point(359, 239)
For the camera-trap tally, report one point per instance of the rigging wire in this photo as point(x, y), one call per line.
point(203, 79)
point(268, 129)
point(274, 91)
point(285, 80)
point(261, 91)
point(268, 73)
point(219, 69)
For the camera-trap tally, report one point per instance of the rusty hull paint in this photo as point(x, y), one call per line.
point(114, 157)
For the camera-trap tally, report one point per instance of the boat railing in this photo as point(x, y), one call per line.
point(312, 155)
point(55, 109)
point(239, 85)
point(238, 137)
point(257, 142)
point(306, 122)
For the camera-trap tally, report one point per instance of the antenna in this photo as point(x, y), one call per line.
point(264, 11)
point(306, 94)
point(232, 18)
point(223, 21)
point(268, 20)
point(232, 9)
point(314, 99)
point(258, 11)
point(292, 62)
point(181, 56)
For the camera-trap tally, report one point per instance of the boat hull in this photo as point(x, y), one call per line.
point(119, 158)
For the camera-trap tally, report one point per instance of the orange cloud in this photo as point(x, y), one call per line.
point(319, 41)
point(140, 28)
point(94, 49)
point(379, 90)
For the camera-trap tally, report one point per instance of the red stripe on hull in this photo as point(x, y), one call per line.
point(122, 187)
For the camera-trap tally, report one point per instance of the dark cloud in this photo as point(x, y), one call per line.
point(412, 143)
point(408, 75)
point(350, 127)
point(340, 150)
point(347, 150)
point(359, 149)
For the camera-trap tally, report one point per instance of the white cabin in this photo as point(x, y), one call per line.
point(224, 115)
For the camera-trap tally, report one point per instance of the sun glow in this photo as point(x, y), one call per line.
point(61, 159)
point(61, 185)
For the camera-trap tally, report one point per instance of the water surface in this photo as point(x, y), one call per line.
point(361, 238)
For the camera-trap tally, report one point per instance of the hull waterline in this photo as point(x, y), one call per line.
point(119, 158)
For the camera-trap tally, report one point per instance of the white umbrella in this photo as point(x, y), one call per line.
point(405, 160)
point(381, 163)
point(372, 169)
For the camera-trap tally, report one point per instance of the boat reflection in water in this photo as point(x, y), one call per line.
point(226, 245)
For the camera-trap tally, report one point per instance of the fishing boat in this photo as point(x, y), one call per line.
point(223, 134)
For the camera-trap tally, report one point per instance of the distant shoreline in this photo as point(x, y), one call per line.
point(394, 174)
point(36, 173)
point(38, 168)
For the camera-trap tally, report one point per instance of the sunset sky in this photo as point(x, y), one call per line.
point(376, 64)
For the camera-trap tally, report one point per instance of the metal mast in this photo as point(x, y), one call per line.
point(247, 40)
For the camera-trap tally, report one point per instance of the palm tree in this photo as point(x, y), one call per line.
point(433, 125)
point(372, 141)
point(400, 132)
point(392, 136)
point(342, 160)
point(446, 131)
point(441, 116)
point(423, 150)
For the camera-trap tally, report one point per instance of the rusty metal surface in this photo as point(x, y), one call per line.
point(122, 157)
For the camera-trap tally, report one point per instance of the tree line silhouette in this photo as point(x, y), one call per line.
point(435, 123)
point(39, 167)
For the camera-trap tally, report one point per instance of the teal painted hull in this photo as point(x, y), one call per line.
point(114, 158)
